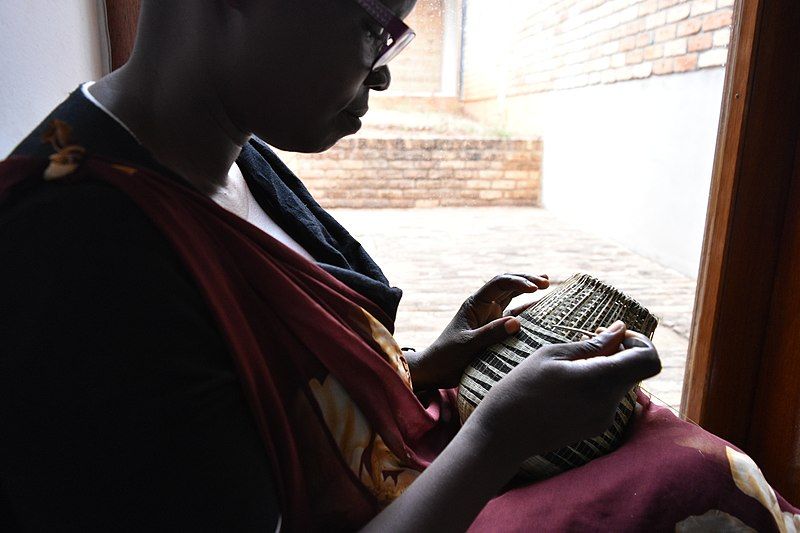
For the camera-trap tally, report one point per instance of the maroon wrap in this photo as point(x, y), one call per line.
point(287, 322)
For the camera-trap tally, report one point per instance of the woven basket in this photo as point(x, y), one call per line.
point(581, 303)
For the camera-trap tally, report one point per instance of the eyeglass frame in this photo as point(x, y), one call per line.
point(398, 31)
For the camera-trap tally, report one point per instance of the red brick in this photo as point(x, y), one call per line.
point(624, 74)
point(718, 19)
point(686, 63)
point(479, 184)
point(643, 70)
point(664, 66)
point(655, 51)
point(490, 174)
point(503, 184)
point(690, 27)
point(634, 57)
point(414, 173)
point(676, 47)
point(665, 33)
point(523, 194)
point(628, 43)
point(679, 12)
point(700, 7)
point(517, 174)
point(633, 27)
point(700, 42)
point(716, 57)
point(351, 164)
point(617, 60)
point(644, 38)
point(655, 20)
point(722, 37)
point(648, 7)
point(435, 174)
point(490, 195)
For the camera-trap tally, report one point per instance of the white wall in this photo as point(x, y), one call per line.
point(47, 48)
point(633, 161)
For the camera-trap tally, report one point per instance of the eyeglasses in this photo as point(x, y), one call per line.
point(399, 35)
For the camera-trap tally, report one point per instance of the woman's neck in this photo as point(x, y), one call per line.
point(178, 118)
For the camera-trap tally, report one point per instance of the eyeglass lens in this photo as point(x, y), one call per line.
point(392, 49)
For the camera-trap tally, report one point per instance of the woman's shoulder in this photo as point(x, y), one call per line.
point(85, 225)
point(83, 246)
point(87, 206)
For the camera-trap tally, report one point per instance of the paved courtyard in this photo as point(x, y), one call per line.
point(439, 256)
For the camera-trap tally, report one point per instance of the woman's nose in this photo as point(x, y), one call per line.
point(379, 79)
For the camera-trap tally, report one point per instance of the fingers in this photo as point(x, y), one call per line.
point(519, 309)
point(634, 339)
point(629, 333)
point(493, 332)
point(606, 343)
point(629, 356)
point(626, 367)
point(507, 286)
point(542, 280)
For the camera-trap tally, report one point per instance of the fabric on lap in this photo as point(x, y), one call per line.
point(666, 472)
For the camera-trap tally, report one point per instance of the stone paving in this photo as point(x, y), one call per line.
point(439, 256)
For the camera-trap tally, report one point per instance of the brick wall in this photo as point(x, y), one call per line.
point(418, 70)
point(547, 45)
point(423, 172)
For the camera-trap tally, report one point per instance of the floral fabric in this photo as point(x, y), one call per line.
point(328, 387)
point(668, 475)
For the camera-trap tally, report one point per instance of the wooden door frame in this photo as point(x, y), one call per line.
point(741, 383)
point(121, 19)
point(742, 374)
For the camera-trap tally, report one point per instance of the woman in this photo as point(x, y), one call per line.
point(176, 360)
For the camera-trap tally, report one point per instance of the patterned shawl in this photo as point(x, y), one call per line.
point(331, 393)
point(327, 384)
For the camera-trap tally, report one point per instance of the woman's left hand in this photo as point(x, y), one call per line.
point(481, 321)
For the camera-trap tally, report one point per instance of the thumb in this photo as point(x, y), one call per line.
point(606, 343)
point(494, 332)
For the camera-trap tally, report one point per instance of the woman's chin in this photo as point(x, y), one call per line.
point(336, 136)
point(344, 125)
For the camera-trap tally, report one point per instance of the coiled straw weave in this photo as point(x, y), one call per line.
point(582, 303)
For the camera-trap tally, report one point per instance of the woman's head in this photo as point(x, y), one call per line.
point(296, 73)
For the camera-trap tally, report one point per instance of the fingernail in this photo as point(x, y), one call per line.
point(616, 326)
point(511, 326)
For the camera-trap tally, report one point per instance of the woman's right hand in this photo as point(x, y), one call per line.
point(563, 393)
point(559, 395)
